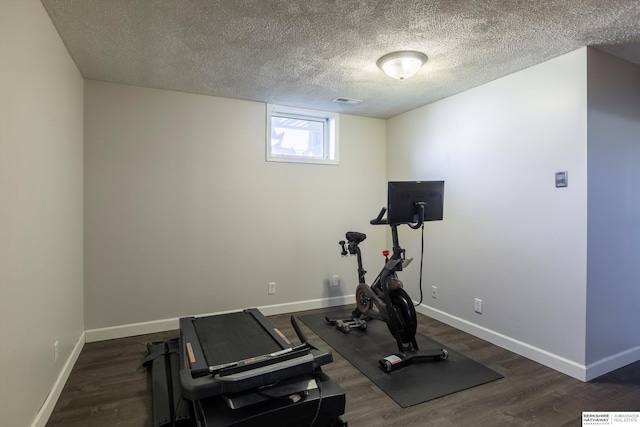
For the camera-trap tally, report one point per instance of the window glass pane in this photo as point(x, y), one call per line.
point(297, 135)
point(303, 137)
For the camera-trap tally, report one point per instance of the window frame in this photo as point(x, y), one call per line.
point(330, 134)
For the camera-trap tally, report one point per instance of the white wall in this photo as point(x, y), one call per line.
point(183, 216)
point(509, 236)
point(41, 265)
point(613, 291)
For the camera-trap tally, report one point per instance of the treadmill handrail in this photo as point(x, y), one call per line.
point(262, 370)
point(200, 388)
point(251, 363)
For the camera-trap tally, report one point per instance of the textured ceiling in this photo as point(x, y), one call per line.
point(306, 53)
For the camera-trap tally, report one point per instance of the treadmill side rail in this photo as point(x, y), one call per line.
point(203, 387)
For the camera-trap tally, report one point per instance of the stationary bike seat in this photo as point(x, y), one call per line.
point(356, 237)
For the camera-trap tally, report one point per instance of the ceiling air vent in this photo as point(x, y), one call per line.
point(347, 101)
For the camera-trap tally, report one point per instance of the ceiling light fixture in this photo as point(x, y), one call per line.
point(402, 65)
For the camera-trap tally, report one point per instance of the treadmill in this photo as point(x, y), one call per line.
point(239, 370)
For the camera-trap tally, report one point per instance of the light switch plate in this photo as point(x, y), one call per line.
point(561, 179)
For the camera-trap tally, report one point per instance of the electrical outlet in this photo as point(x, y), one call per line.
point(272, 288)
point(434, 292)
point(335, 281)
point(478, 306)
point(56, 353)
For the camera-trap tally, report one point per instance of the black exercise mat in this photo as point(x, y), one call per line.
point(408, 386)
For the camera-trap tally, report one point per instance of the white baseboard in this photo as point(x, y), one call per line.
point(271, 310)
point(130, 330)
point(611, 363)
point(553, 361)
point(50, 402)
point(122, 331)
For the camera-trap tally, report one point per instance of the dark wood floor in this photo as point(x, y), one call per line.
point(109, 387)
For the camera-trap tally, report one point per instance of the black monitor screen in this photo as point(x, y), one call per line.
point(402, 207)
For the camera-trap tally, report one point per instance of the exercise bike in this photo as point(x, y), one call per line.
point(386, 300)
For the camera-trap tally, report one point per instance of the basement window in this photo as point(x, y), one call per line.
point(301, 136)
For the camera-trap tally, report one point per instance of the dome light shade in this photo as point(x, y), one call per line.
point(402, 65)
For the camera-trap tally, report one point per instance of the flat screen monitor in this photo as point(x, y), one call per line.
point(404, 197)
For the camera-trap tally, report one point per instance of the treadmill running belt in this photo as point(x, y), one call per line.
point(232, 337)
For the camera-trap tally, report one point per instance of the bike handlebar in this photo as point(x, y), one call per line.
point(378, 220)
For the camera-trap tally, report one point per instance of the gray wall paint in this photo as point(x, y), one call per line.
point(613, 281)
point(509, 236)
point(41, 265)
point(183, 216)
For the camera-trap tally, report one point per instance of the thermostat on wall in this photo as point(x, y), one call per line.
point(561, 179)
